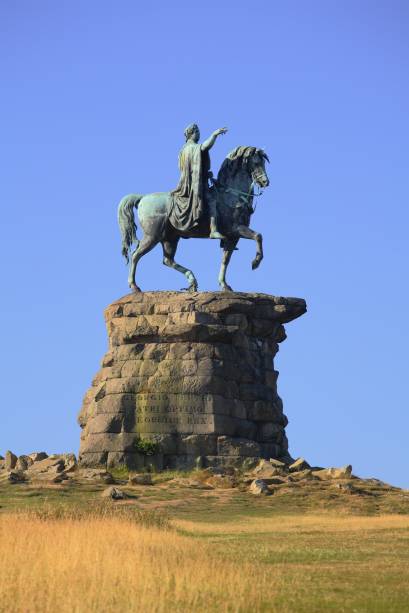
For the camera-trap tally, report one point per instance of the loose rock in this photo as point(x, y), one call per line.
point(221, 481)
point(299, 464)
point(10, 460)
point(114, 493)
point(15, 476)
point(142, 479)
point(302, 475)
point(266, 470)
point(277, 463)
point(23, 462)
point(334, 473)
point(37, 456)
point(259, 488)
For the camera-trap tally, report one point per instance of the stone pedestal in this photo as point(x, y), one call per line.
point(194, 373)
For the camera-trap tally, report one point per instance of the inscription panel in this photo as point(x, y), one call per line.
point(163, 413)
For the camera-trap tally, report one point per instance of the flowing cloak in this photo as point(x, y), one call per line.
point(187, 201)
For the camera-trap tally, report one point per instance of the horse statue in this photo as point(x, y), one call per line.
point(240, 172)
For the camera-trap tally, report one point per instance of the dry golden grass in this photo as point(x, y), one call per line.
point(287, 564)
point(116, 565)
point(295, 524)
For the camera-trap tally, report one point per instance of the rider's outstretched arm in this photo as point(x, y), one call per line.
point(208, 143)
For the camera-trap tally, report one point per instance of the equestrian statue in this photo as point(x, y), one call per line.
point(199, 207)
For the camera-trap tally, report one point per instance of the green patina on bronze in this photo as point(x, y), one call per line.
point(199, 207)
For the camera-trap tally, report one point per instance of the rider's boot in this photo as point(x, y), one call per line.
point(214, 233)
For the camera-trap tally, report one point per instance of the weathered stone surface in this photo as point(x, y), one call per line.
point(188, 482)
point(193, 373)
point(299, 464)
point(301, 475)
point(227, 445)
point(16, 476)
point(334, 473)
point(277, 463)
point(54, 468)
point(23, 462)
point(221, 481)
point(38, 455)
point(10, 460)
point(266, 470)
point(142, 479)
point(259, 487)
point(202, 445)
point(114, 493)
point(95, 474)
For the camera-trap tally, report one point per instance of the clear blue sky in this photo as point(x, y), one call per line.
point(95, 97)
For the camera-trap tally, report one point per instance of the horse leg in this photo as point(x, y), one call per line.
point(246, 232)
point(227, 253)
point(145, 245)
point(169, 250)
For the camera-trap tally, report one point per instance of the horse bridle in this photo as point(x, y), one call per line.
point(245, 197)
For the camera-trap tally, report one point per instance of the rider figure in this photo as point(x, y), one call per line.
point(192, 193)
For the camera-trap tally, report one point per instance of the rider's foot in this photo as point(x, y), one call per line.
point(216, 234)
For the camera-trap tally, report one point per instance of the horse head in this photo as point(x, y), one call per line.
point(245, 159)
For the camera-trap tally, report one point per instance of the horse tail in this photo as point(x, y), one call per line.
point(126, 220)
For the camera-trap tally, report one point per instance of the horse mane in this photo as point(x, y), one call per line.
point(235, 161)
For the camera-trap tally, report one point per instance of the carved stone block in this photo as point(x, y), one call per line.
point(191, 373)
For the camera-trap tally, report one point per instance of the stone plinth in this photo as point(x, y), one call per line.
point(192, 372)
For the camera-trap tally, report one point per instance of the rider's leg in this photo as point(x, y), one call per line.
point(212, 204)
point(169, 250)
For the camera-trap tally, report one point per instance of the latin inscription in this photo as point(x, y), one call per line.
point(172, 412)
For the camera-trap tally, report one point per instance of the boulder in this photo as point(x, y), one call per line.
point(54, 464)
point(114, 493)
point(302, 475)
point(91, 474)
point(267, 470)
point(259, 487)
point(274, 480)
point(345, 487)
point(334, 473)
point(70, 462)
point(193, 483)
point(23, 462)
point(141, 479)
point(16, 476)
point(37, 456)
point(221, 481)
point(10, 460)
point(277, 463)
point(299, 464)
point(51, 466)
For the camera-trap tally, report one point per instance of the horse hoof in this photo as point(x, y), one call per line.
point(135, 288)
point(227, 288)
point(255, 264)
point(191, 289)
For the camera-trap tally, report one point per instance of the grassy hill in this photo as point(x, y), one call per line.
point(179, 545)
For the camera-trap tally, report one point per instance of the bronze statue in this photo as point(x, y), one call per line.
point(189, 200)
point(195, 210)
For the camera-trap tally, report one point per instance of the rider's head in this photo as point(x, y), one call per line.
point(192, 131)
